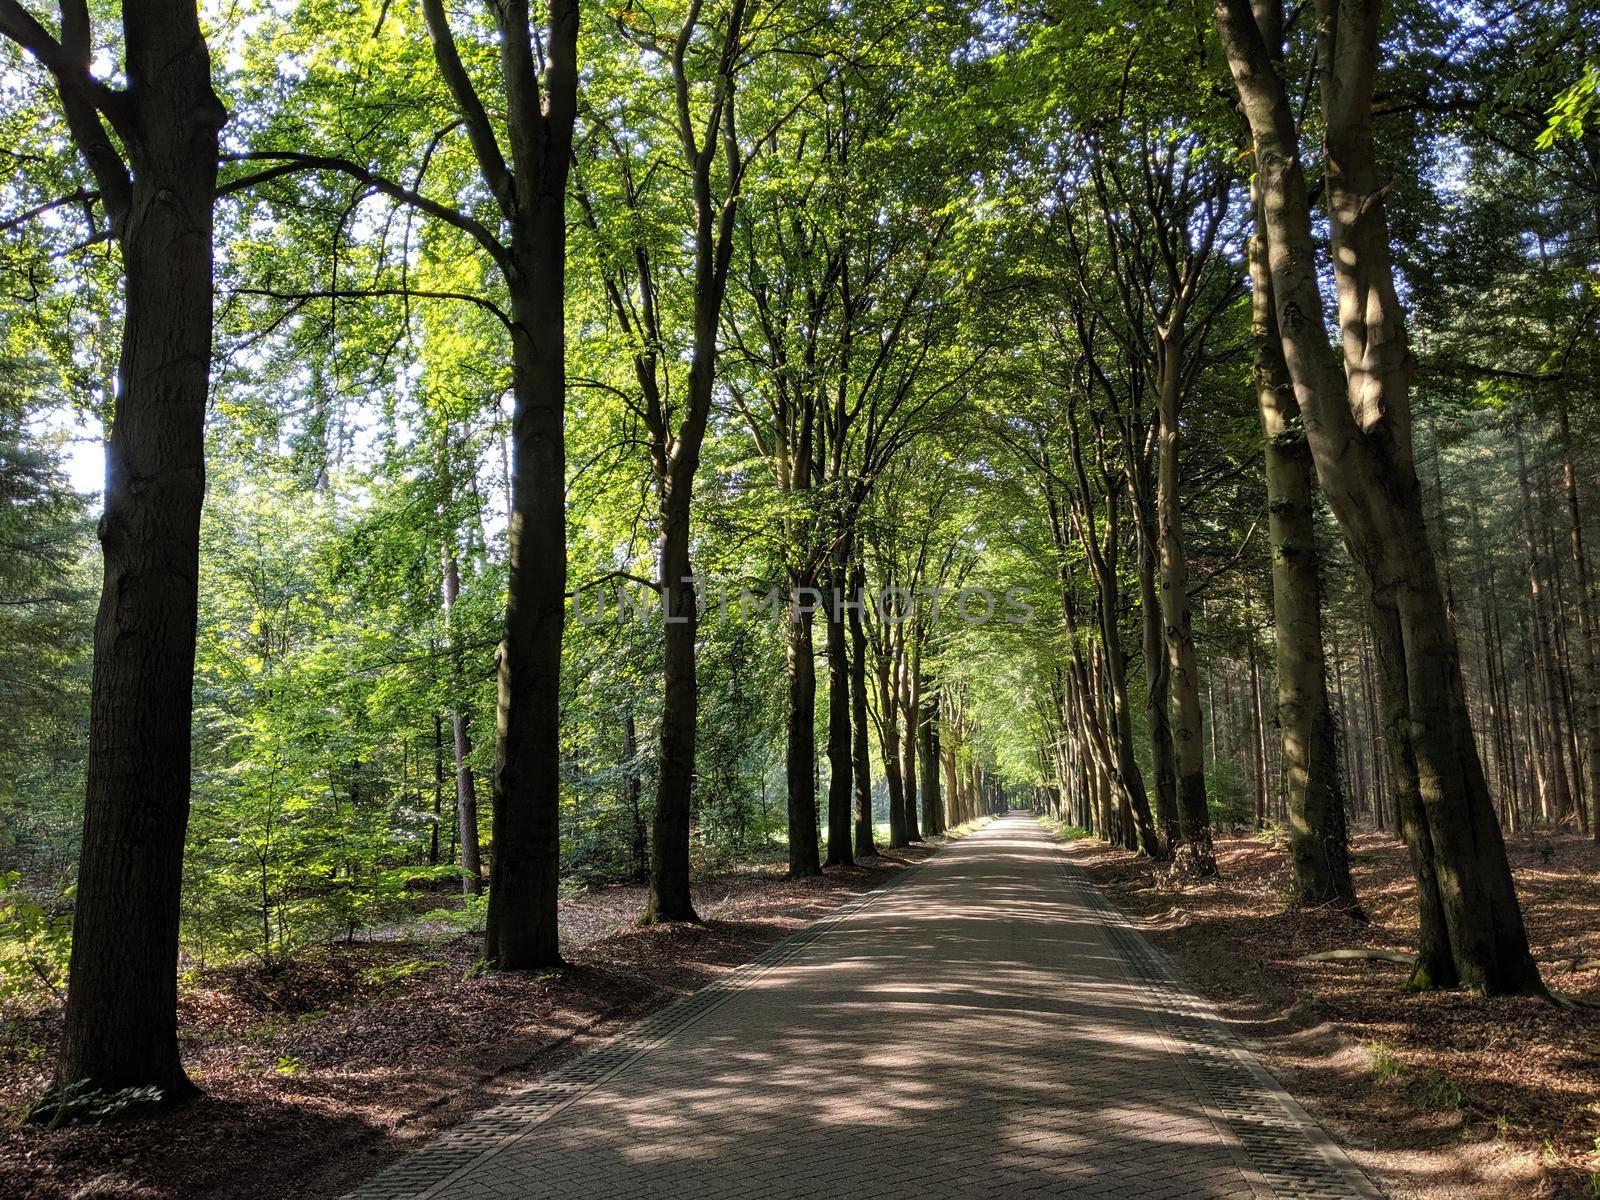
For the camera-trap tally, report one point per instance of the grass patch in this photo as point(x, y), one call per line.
point(1426, 1087)
point(1062, 829)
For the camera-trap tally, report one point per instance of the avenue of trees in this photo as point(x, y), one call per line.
point(576, 442)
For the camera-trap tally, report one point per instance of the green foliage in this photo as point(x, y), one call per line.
point(79, 1103)
point(1573, 109)
point(35, 940)
point(46, 611)
point(1064, 829)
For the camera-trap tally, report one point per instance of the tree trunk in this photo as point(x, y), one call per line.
point(1258, 731)
point(952, 786)
point(1359, 429)
point(841, 770)
point(121, 1017)
point(906, 695)
point(1141, 828)
point(675, 459)
point(438, 789)
point(1318, 841)
point(1541, 616)
point(801, 752)
point(1588, 622)
point(669, 844)
point(860, 751)
point(1194, 819)
point(640, 841)
point(521, 931)
point(1157, 674)
point(889, 744)
point(928, 759)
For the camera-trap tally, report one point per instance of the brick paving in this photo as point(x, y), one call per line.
point(985, 1027)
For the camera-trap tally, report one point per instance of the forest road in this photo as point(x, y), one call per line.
point(986, 1026)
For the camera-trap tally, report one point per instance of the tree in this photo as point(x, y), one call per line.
point(702, 62)
point(1358, 425)
point(1318, 842)
point(155, 192)
point(539, 79)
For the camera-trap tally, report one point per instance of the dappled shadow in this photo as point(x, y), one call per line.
point(971, 1031)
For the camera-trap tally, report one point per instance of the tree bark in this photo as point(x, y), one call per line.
point(1318, 840)
point(1194, 853)
point(910, 702)
point(120, 1026)
point(1157, 670)
point(1588, 621)
point(640, 841)
point(889, 740)
point(521, 930)
point(841, 770)
point(438, 789)
point(1542, 615)
point(800, 755)
point(669, 898)
point(928, 760)
point(860, 751)
point(676, 458)
point(1140, 829)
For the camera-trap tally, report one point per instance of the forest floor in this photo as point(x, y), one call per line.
point(317, 1075)
point(1437, 1096)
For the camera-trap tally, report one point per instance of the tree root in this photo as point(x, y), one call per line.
point(1394, 956)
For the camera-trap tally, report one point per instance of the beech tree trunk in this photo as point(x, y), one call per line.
point(669, 842)
point(889, 743)
point(841, 770)
point(120, 1026)
point(952, 786)
point(1157, 674)
point(1194, 819)
point(521, 930)
point(928, 760)
point(1359, 429)
point(860, 746)
point(801, 751)
point(909, 699)
point(1142, 828)
point(1318, 839)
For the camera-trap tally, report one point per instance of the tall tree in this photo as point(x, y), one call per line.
point(1318, 841)
point(155, 190)
point(1358, 425)
point(521, 153)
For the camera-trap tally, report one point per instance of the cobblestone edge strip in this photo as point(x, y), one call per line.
point(1290, 1153)
point(427, 1173)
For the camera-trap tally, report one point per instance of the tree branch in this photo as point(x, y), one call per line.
point(374, 293)
point(502, 185)
point(289, 162)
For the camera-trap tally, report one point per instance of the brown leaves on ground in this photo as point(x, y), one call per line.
point(318, 1074)
point(1438, 1094)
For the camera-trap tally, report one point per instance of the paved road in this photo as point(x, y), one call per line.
point(985, 1027)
